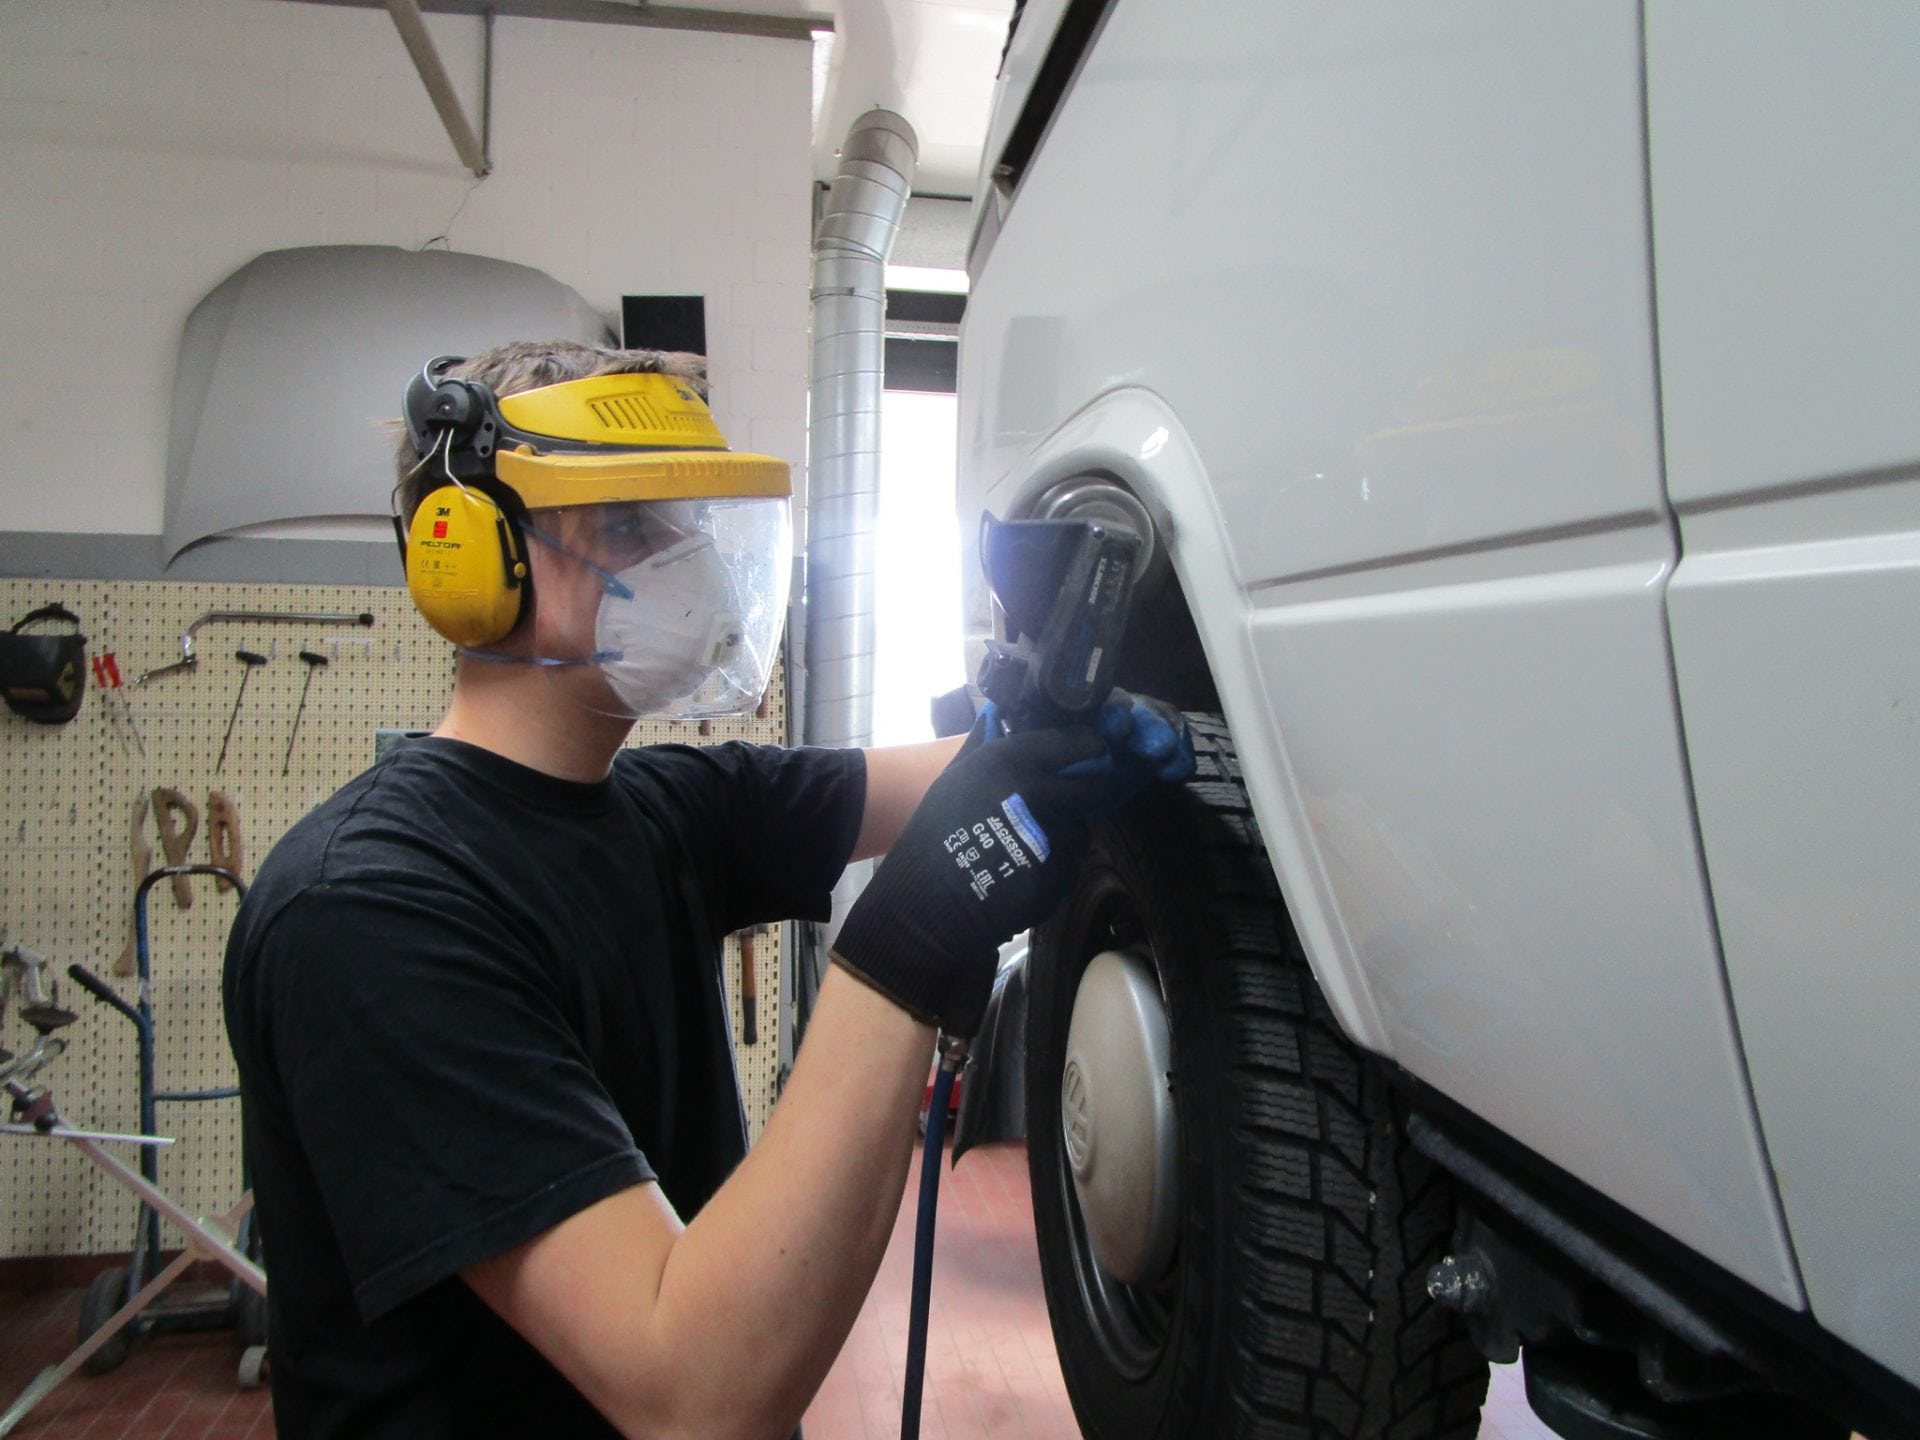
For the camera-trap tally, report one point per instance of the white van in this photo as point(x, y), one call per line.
point(1523, 400)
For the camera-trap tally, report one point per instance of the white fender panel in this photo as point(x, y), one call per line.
point(1133, 436)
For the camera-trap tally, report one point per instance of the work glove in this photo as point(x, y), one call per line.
point(990, 851)
point(1147, 742)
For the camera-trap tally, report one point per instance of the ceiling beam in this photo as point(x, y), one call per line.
point(615, 12)
point(413, 34)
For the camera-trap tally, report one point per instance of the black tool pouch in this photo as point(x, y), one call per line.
point(44, 677)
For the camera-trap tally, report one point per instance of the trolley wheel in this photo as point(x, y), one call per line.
point(105, 1295)
point(253, 1367)
point(250, 1315)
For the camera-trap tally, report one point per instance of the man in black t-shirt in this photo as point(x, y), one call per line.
point(476, 998)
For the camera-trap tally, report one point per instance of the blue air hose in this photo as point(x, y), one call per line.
point(953, 1055)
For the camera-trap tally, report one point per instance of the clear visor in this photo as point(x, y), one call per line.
point(693, 598)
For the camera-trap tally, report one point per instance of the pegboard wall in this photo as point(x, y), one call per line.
point(68, 795)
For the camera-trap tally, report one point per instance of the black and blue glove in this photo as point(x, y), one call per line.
point(991, 850)
point(1147, 742)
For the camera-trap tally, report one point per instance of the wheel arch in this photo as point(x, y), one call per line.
point(1192, 636)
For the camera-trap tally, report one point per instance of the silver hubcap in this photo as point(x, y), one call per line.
point(1117, 1118)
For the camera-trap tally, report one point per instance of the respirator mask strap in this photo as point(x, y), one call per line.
point(611, 583)
point(549, 662)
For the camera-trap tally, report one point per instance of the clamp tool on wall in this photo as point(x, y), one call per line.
point(223, 837)
point(179, 821)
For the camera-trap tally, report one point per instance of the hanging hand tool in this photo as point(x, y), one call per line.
point(106, 674)
point(749, 987)
point(39, 1006)
point(188, 660)
point(142, 863)
point(223, 836)
point(168, 804)
point(314, 661)
point(252, 659)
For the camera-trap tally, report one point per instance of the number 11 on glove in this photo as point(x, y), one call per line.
point(989, 852)
point(1000, 846)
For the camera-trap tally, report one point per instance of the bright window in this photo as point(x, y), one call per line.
point(919, 651)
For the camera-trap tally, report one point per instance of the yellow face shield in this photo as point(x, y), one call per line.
point(692, 601)
point(613, 438)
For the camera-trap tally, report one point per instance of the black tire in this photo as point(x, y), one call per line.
point(106, 1293)
point(1295, 1303)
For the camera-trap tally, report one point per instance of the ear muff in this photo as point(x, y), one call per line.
point(464, 554)
point(466, 565)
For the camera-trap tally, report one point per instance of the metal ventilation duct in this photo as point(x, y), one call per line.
point(863, 210)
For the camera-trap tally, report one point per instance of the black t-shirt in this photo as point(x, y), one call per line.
point(468, 1000)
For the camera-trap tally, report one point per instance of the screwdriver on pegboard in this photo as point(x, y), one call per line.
point(314, 661)
point(252, 659)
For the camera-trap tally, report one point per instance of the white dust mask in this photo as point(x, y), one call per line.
point(675, 628)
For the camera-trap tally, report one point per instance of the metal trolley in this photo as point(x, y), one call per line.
point(122, 1304)
point(241, 1307)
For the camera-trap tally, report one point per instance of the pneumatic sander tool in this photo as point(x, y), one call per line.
point(1064, 587)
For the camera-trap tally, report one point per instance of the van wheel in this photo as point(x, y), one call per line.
point(1234, 1231)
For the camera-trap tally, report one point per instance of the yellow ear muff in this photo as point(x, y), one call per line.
point(464, 566)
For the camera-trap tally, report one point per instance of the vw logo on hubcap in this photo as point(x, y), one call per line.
point(1076, 1117)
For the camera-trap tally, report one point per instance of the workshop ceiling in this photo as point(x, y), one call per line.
point(933, 61)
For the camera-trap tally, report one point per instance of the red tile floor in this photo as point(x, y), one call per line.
point(991, 1370)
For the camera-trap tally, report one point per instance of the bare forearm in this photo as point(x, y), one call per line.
point(897, 777)
point(759, 1294)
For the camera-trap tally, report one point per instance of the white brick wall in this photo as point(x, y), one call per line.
point(149, 148)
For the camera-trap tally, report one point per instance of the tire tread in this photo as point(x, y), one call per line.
point(1330, 1218)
